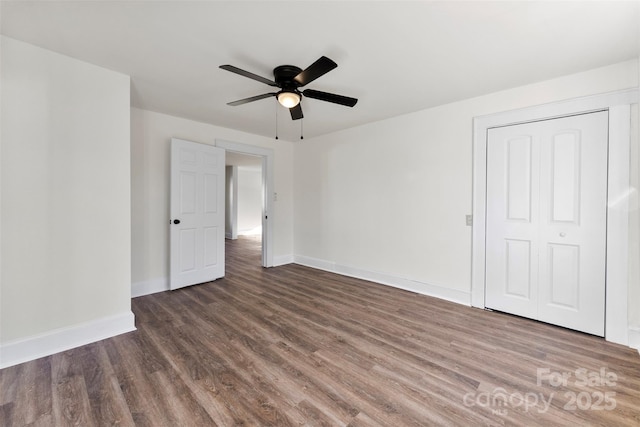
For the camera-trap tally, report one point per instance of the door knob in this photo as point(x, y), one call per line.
point(176, 221)
point(562, 234)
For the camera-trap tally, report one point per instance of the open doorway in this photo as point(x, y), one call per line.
point(249, 183)
point(243, 197)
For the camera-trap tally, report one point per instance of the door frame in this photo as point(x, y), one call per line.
point(267, 156)
point(618, 104)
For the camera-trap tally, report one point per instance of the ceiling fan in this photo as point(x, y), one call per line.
point(289, 78)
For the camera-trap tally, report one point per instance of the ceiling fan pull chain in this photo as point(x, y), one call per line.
point(276, 119)
point(301, 120)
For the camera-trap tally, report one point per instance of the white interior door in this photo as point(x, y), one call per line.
point(513, 220)
point(546, 221)
point(197, 213)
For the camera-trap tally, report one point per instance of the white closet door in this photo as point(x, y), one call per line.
point(513, 222)
point(546, 220)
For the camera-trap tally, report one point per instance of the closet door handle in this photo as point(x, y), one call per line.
point(176, 221)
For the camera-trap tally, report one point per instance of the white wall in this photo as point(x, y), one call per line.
point(150, 136)
point(388, 200)
point(65, 212)
point(634, 233)
point(249, 199)
point(231, 202)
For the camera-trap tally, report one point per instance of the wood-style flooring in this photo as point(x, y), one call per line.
point(295, 346)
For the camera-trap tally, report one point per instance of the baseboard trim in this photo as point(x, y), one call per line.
point(453, 295)
point(282, 260)
point(148, 287)
point(62, 339)
point(634, 338)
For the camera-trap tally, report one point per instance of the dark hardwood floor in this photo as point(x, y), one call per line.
point(295, 346)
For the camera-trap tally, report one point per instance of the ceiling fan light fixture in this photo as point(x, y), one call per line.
point(288, 99)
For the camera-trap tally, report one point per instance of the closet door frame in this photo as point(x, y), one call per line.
point(618, 105)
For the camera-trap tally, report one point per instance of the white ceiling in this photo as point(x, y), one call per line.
point(396, 57)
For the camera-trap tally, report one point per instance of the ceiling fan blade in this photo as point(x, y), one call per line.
point(251, 99)
point(319, 68)
point(330, 97)
point(248, 74)
point(296, 112)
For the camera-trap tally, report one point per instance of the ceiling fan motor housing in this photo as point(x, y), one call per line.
point(284, 77)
